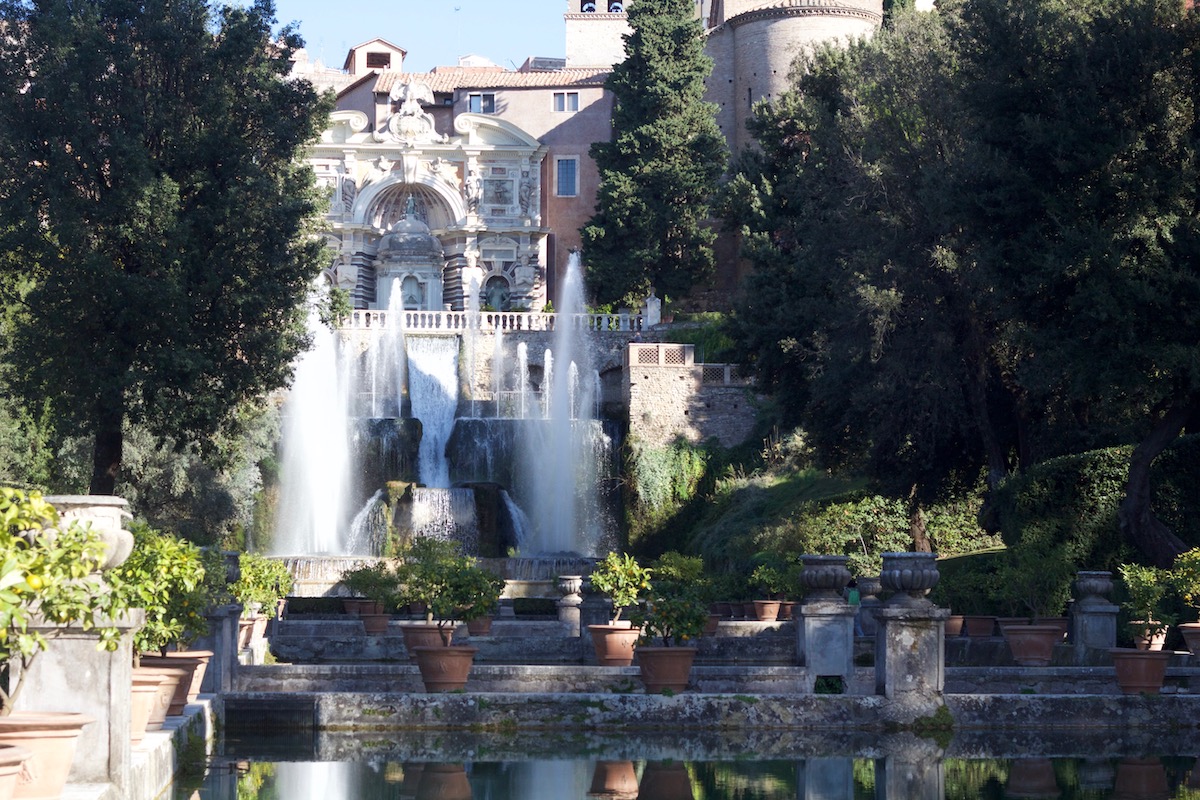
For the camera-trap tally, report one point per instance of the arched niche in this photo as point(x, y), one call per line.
point(381, 205)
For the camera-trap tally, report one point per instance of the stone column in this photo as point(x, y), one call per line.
point(910, 641)
point(73, 675)
point(1094, 617)
point(568, 604)
point(222, 640)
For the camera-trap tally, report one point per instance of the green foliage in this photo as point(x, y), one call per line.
point(671, 617)
point(435, 573)
point(164, 576)
point(710, 337)
point(658, 173)
point(263, 582)
point(622, 579)
point(968, 583)
point(1145, 588)
point(1035, 579)
point(376, 581)
point(662, 480)
point(185, 271)
point(1184, 577)
point(50, 573)
point(1068, 505)
point(771, 580)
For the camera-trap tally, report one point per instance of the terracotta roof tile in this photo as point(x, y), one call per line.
point(447, 79)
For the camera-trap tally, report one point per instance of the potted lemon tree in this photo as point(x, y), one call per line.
point(49, 581)
point(671, 621)
point(1184, 577)
point(623, 580)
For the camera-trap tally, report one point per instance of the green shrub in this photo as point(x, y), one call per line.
point(263, 581)
point(164, 575)
point(622, 579)
point(968, 583)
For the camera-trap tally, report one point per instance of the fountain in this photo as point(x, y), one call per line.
point(522, 443)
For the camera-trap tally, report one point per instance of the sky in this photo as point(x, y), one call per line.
point(432, 32)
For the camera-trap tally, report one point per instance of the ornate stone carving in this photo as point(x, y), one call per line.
point(909, 576)
point(383, 166)
point(410, 124)
point(446, 170)
point(824, 577)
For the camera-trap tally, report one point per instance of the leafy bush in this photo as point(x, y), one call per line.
point(863, 528)
point(671, 617)
point(376, 581)
point(264, 581)
point(164, 575)
point(968, 583)
point(1145, 589)
point(435, 573)
point(1184, 576)
point(662, 480)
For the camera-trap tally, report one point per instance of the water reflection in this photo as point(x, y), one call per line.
point(896, 766)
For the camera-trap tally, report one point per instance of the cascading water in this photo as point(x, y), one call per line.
point(314, 476)
point(433, 395)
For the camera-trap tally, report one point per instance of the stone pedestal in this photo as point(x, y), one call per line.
point(222, 640)
point(569, 603)
point(1093, 616)
point(910, 657)
point(73, 675)
point(825, 640)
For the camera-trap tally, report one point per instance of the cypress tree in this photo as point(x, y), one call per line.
point(660, 170)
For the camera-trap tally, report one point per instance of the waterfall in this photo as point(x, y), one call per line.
point(522, 379)
point(314, 475)
point(446, 514)
point(369, 527)
point(498, 368)
point(433, 395)
point(519, 520)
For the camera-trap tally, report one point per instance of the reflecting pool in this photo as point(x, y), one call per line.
point(449, 765)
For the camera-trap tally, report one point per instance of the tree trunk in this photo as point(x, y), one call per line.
point(1145, 531)
point(916, 524)
point(107, 449)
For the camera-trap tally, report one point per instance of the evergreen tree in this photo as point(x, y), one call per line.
point(159, 238)
point(660, 170)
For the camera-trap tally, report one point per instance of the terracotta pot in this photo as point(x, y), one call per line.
point(245, 632)
point(1140, 671)
point(189, 688)
point(50, 738)
point(665, 781)
point(787, 609)
point(1032, 645)
point(724, 608)
point(444, 669)
point(480, 626)
point(1031, 777)
point(614, 779)
point(1191, 635)
point(352, 605)
point(1147, 641)
point(171, 678)
point(444, 782)
point(954, 625)
point(260, 628)
point(423, 634)
point(1142, 778)
point(979, 626)
point(766, 610)
point(665, 667)
point(374, 624)
point(614, 644)
point(144, 698)
point(12, 759)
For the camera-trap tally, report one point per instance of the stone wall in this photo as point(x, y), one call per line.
point(669, 396)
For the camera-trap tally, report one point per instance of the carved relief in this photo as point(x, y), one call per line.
point(409, 125)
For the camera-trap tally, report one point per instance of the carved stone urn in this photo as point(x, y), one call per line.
point(824, 577)
point(910, 577)
point(105, 514)
point(1093, 587)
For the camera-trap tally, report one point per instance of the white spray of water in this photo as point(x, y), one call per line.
point(315, 453)
point(547, 383)
point(433, 394)
point(564, 466)
point(498, 368)
point(522, 378)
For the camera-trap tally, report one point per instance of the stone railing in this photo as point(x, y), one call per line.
point(363, 319)
point(724, 375)
point(666, 354)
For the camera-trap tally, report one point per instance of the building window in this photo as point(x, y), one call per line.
point(481, 103)
point(588, 7)
point(379, 60)
point(566, 177)
point(616, 8)
point(566, 101)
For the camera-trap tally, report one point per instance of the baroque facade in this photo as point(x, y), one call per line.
point(470, 183)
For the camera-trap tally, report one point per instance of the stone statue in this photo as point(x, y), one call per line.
point(349, 192)
point(383, 166)
point(473, 191)
point(525, 193)
point(446, 170)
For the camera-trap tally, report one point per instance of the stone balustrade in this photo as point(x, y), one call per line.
point(454, 321)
